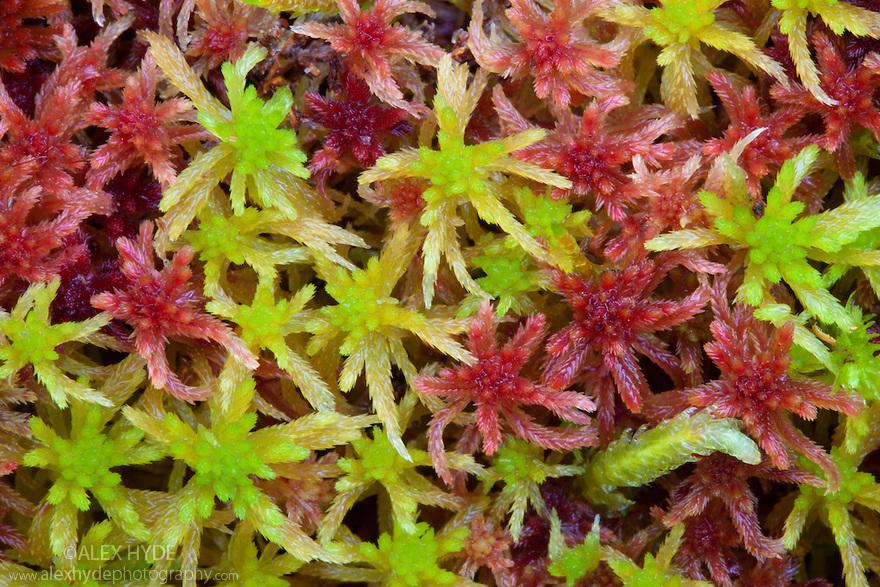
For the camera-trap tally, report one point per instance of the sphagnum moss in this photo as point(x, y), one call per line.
point(572, 292)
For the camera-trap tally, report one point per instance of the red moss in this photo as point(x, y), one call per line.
point(403, 198)
point(142, 130)
point(46, 138)
point(354, 126)
point(88, 66)
point(766, 152)
point(117, 7)
point(668, 202)
point(614, 318)
point(854, 91)
point(595, 150)
point(164, 304)
point(487, 546)
point(223, 28)
point(778, 572)
point(494, 384)
point(576, 517)
point(710, 542)
point(721, 479)
point(372, 44)
point(857, 48)
point(779, 50)
point(554, 47)
point(755, 386)
point(145, 14)
point(305, 489)
point(710, 545)
point(26, 33)
point(36, 251)
point(33, 245)
point(11, 500)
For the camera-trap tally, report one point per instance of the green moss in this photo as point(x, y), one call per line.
point(224, 459)
point(378, 458)
point(854, 357)
point(29, 338)
point(456, 170)
point(777, 243)
point(266, 323)
point(458, 173)
point(254, 153)
point(781, 243)
point(554, 223)
point(655, 570)
point(680, 21)
point(576, 562)
point(520, 462)
point(509, 277)
point(547, 218)
point(250, 127)
point(522, 467)
point(379, 461)
point(81, 463)
point(361, 308)
point(218, 237)
point(817, 7)
point(253, 131)
point(411, 559)
point(838, 506)
point(247, 566)
point(638, 458)
point(296, 7)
